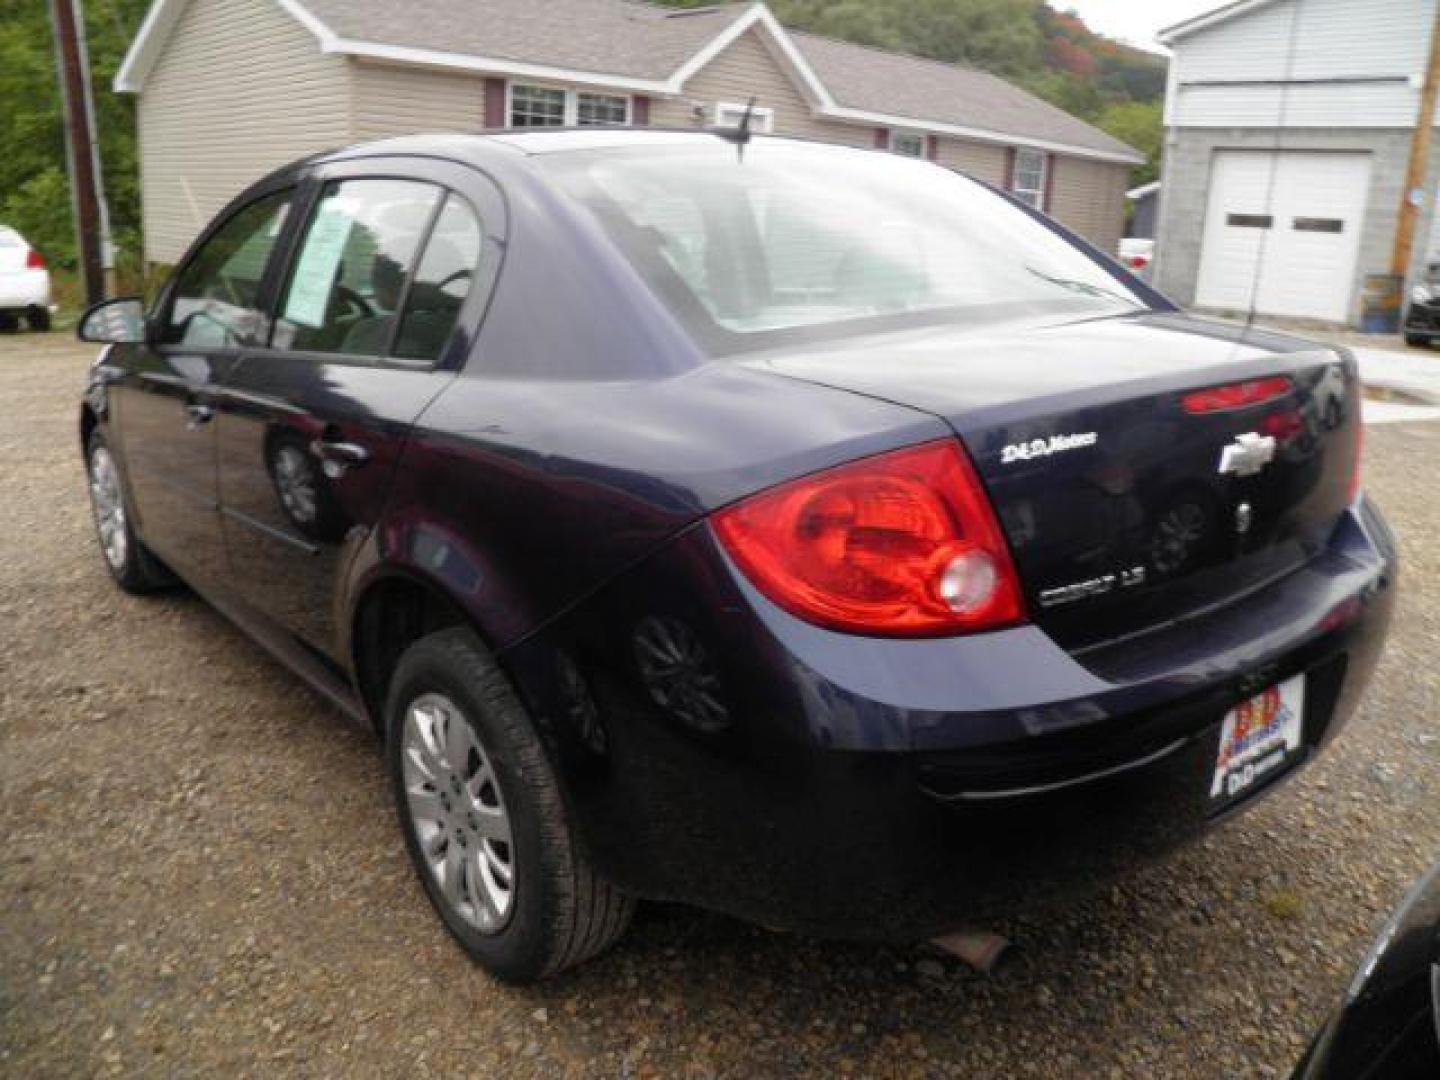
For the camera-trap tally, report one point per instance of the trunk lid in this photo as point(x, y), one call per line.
point(1123, 509)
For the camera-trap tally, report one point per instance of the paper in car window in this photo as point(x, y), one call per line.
point(315, 272)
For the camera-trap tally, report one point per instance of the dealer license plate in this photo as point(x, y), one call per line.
point(1258, 739)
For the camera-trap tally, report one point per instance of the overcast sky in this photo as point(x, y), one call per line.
point(1135, 21)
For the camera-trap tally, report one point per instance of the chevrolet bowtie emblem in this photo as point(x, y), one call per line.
point(1248, 454)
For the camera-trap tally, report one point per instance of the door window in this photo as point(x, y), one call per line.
point(441, 283)
point(217, 293)
point(349, 276)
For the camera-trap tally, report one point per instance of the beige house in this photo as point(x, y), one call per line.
point(230, 89)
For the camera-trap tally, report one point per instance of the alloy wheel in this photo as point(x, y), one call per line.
point(295, 483)
point(456, 807)
point(109, 506)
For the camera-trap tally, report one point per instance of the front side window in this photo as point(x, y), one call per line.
point(1029, 183)
point(349, 275)
point(908, 143)
point(217, 293)
point(815, 239)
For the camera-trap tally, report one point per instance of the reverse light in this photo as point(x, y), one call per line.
point(903, 544)
point(34, 260)
point(1239, 395)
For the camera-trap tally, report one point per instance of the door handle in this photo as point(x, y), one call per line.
point(197, 416)
point(337, 458)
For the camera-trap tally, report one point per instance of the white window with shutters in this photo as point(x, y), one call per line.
point(532, 106)
point(1028, 184)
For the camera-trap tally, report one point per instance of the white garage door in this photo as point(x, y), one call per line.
point(1284, 226)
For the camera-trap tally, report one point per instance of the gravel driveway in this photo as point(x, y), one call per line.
point(200, 871)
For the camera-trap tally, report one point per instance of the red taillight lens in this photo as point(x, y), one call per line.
point(1236, 395)
point(1138, 262)
point(34, 260)
point(902, 544)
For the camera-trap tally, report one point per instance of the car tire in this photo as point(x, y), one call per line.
point(38, 319)
point(480, 801)
point(1416, 340)
point(129, 561)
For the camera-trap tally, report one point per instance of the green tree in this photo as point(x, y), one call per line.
point(1140, 124)
point(34, 190)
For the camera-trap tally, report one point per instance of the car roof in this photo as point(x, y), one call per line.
point(475, 148)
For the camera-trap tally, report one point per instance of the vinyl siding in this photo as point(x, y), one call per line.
point(1089, 197)
point(748, 69)
point(239, 90)
point(1375, 46)
point(392, 100)
point(980, 160)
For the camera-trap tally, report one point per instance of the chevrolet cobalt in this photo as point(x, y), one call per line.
point(807, 533)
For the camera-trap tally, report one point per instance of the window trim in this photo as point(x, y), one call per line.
point(277, 265)
point(311, 207)
point(1039, 190)
point(762, 120)
point(898, 133)
point(571, 117)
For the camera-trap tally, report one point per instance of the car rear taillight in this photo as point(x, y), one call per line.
point(1138, 262)
point(34, 260)
point(1236, 395)
point(901, 544)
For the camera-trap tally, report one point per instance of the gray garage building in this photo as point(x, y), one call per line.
point(1288, 129)
point(229, 89)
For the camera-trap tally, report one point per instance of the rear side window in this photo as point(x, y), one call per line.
point(217, 293)
point(349, 276)
point(441, 283)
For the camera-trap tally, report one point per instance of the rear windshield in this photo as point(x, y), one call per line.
point(791, 238)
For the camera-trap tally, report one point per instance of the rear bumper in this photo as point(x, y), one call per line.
point(24, 289)
point(897, 789)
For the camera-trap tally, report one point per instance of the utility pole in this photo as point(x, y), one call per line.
point(87, 199)
point(1414, 194)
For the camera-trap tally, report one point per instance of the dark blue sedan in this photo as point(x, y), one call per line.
point(807, 533)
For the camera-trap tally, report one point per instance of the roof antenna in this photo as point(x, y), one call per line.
point(740, 133)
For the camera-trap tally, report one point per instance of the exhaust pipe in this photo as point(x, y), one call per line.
point(982, 950)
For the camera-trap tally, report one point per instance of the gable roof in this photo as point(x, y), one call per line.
point(1206, 19)
point(644, 48)
point(967, 101)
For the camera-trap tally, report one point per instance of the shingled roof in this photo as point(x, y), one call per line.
point(616, 37)
point(651, 49)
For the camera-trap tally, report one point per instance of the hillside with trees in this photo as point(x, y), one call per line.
point(1051, 53)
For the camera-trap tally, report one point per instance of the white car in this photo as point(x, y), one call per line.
point(24, 283)
point(1137, 254)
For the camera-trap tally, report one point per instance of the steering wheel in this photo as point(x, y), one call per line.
point(459, 275)
point(357, 302)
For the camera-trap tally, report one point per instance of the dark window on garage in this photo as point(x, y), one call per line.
point(1249, 221)
point(1319, 224)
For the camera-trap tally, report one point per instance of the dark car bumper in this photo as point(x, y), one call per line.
point(895, 789)
point(1422, 320)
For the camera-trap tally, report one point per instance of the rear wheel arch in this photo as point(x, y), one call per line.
point(392, 613)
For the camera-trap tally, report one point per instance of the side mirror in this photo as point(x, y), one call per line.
point(114, 322)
